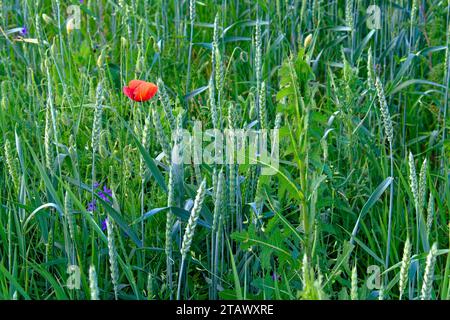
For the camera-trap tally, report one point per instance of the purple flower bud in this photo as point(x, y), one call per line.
point(23, 31)
point(92, 206)
point(104, 224)
point(107, 191)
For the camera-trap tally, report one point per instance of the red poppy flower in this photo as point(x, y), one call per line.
point(140, 91)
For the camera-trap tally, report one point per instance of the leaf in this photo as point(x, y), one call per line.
point(404, 67)
point(180, 213)
point(341, 260)
point(56, 286)
point(113, 213)
point(363, 44)
point(44, 206)
point(340, 28)
point(148, 160)
point(247, 239)
point(195, 92)
point(13, 282)
point(236, 39)
point(411, 82)
point(237, 284)
point(289, 226)
point(369, 204)
point(120, 221)
point(48, 183)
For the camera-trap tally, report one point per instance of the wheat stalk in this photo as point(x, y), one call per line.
point(216, 229)
point(192, 20)
point(213, 104)
point(143, 169)
point(170, 219)
point(217, 64)
point(47, 138)
point(381, 292)
point(414, 185)
point(389, 132)
point(233, 168)
point(150, 287)
point(370, 70)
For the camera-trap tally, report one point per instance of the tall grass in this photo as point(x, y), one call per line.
point(94, 181)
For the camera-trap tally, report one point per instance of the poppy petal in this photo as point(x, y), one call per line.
point(129, 92)
point(133, 84)
point(140, 91)
point(145, 91)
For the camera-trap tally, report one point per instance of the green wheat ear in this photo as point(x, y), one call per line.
point(48, 138)
point(69, 216)
point(354, 284)
point(430, 214)
point(370, 70)
point(97, 123)
point(404, 269)
point(146, 144)
point(12, 164)
point(93, 283)
point(150, 287)
point(218, 202)
point(422, 184)
point(413, 180)
point(166, 103)
point(190, 230)
point(428, 276)
point(193, 218)
point(387, 122)
point(161, 135)
point(112, 252)
point(349, 14)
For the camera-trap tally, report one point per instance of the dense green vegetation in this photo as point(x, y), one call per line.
point(94, 205)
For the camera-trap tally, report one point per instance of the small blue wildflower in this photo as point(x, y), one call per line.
point(23, 31)
point(105, 194)
point(107, 191)
point(104, 224)
point(92, 206)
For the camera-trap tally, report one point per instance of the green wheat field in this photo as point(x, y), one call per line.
point(351, 200)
